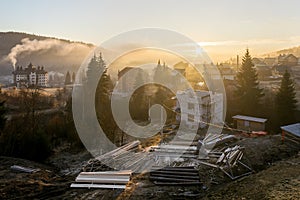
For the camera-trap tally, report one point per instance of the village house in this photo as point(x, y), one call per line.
point(227, 72)
point(287, 60)
point(248, 123)
point(206, 108)
point(291, 131)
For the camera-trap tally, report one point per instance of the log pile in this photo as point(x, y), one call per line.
point(175, 176)
point(108, 179)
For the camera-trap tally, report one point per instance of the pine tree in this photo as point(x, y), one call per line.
point(139, 79)
point(68, 78)
point(286, 100)
point(95, 68)
point(3, 111)
point(73, 77)
point(161, 73)
point(247, 91)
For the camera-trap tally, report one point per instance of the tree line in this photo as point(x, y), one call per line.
point(249, 99)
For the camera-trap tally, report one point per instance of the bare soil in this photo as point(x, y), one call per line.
point(276, 176)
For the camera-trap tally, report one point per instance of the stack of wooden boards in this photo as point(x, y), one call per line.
point(122, 158)
point(175, 176)
point(107, 179)
point(228, 161)
point(166, 154)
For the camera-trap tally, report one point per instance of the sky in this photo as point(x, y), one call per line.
point(223, 28)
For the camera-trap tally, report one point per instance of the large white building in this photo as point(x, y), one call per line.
point(209, 104)
point(30, 76)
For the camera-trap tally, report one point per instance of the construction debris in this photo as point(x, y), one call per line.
point(181, 157)
point(216, 139)
point(175, 176)
point(23, 169)
point(122, 158)
point(108, 179)
point(228, 162)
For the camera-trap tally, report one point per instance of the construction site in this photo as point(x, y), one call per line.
point(162, 167)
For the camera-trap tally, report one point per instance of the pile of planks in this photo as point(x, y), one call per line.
point(228, 161)
point(122, 158)
point(175, 176)
point(230, 156)
point(108, 179)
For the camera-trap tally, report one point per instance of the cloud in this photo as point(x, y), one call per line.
point(251, 42)
point(28, 46)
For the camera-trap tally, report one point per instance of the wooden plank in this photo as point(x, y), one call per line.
point(205, 163)
point(119, 150)
point(164, 179)
point(76, 185)
point(175, 155)
point(177, 147)
point(183, 143)
point(107, 173)
point(175, 176)
point(23, 169)
point(103, 180)
point(176, 151)
point(181, 169)
point(177, 183)
point(102, 177)
point(177, 173)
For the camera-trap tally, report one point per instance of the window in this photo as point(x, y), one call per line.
point(191, 106)
point(191, 118)
point(246, 123)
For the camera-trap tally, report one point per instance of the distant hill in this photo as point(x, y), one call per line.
point(293, 50)
point(52, 53)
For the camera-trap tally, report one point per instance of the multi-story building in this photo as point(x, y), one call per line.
point(30, 76)
point(206, 108)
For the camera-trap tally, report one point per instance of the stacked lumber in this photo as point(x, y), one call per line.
point(108, 179)
point(216, 139)
point(228, 161)
point(230, 156)
point(122, 158)
point(175, 176)
point(167, 154)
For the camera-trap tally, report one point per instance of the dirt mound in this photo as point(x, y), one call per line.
point(21, 185)
point(280, 181)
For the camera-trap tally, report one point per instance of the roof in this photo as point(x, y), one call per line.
point(293, 129)
point(248, 118)
point(180, 66)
